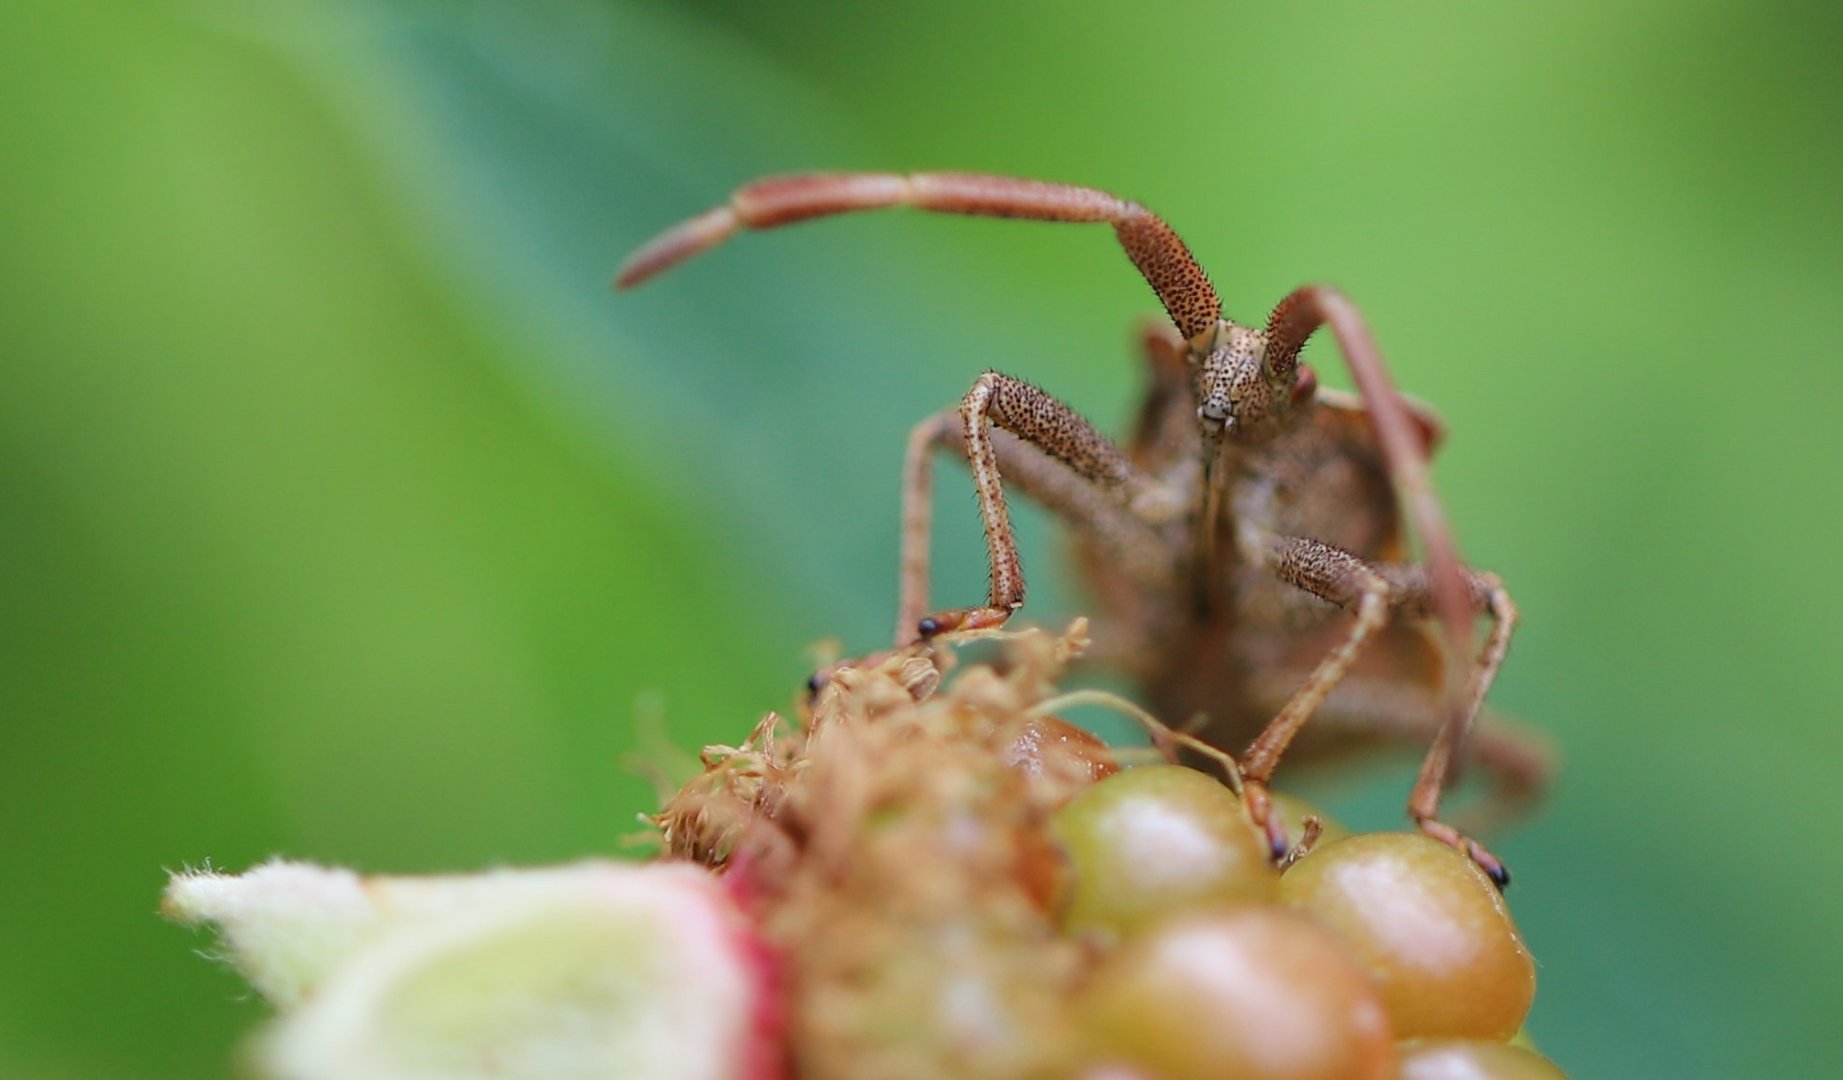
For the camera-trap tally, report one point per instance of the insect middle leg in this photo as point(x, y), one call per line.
point(1377, 593)
point(1012, 432)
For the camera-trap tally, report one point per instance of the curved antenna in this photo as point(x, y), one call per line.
point(1294, 319)
point(1182, 286)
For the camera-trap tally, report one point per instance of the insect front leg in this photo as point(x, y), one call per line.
point(1377, 593)
point(1010, 431)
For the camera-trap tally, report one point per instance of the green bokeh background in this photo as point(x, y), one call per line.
point(345, 514)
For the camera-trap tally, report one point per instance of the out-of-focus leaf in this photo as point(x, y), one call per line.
point(540, 143)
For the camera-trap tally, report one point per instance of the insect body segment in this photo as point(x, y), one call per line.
point(1246, 547)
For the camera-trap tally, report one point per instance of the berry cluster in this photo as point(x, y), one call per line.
point(1213, 963)
point(954, 882)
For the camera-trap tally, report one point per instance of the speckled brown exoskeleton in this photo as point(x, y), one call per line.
point(1246, 549)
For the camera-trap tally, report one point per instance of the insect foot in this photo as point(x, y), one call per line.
point(956, 620)
point(1493, 866)
point(1259, 801)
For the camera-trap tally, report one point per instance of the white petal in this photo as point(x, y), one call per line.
point(283, 924)
point(592, 970)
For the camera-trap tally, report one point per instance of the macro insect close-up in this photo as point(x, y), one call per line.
point(1249, 508)
point(922, 644)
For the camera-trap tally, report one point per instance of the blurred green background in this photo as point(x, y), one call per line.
point(344, 513)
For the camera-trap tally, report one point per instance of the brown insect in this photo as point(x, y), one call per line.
point(1246, 550)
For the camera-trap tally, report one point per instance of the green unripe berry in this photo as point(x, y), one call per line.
point(1154, 841)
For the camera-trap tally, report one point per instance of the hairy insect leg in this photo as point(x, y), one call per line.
point(1344, 580)
point(917, 529)
point(1154, 248)
point(1376, 593)
point(1008, 428)
point(1424, 800)
point(1447, 590)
